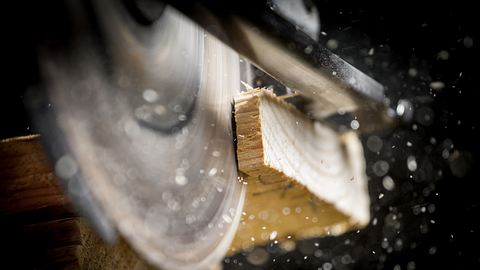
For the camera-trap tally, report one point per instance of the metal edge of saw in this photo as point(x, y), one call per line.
point(137, 121)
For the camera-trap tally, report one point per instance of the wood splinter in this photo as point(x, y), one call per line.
point(303, 178)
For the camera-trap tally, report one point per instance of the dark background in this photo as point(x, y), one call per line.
point(403, 35)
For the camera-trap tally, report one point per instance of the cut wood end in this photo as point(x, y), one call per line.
point(304, 179)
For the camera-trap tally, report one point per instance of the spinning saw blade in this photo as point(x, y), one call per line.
point(140, 128)
point(136, 113)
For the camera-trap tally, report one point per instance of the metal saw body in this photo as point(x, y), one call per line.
point(137, 117)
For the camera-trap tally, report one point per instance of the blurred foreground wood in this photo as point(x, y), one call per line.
point(42, 230)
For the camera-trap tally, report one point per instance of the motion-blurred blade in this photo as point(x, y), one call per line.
point(141, 123)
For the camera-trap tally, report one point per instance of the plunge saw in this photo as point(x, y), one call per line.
point(136, 112)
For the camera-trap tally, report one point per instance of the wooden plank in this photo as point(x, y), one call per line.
point(42, 231)
point(21, 157)
point(27, 182)
point(303, 179)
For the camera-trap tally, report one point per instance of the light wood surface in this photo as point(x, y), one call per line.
point(303, 179)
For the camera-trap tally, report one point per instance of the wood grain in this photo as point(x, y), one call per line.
point(303, 179)
point(42, 230)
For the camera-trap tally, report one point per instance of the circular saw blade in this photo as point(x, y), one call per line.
point(145, 117)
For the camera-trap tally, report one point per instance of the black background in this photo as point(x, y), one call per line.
point(404, 35)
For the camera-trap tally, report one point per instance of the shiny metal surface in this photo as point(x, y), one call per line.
point(284, 51)
point(304, 14)
point(141, 122)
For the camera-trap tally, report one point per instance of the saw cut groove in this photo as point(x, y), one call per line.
point(303, 178)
